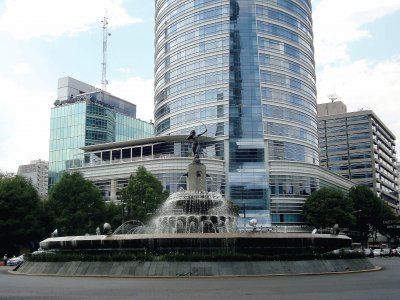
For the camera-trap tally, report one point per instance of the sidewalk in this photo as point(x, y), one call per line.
point(2, 265)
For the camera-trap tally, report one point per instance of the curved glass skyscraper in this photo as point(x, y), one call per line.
point(244, 68)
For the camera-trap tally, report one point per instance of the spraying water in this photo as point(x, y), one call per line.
point(194, 212)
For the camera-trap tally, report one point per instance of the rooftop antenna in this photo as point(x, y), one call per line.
point(106, 34)
point(333, 97)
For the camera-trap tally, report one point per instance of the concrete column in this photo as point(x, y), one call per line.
point(113, 190)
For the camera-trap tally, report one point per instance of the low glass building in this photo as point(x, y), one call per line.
point(109, 166)
point(83, 115)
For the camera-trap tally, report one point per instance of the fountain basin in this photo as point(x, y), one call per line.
point(266, 243)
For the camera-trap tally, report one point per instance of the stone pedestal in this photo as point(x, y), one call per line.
point(196, 180)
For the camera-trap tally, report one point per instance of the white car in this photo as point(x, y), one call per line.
point(15, 260)
point(41, 251)
point(377, 252)
point(381, 252)
point(385, 251)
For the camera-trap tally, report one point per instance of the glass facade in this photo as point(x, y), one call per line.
point(89, 119)
point(244, 68)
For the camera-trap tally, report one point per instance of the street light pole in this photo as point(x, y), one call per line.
point(244, 216)
point(356, 213)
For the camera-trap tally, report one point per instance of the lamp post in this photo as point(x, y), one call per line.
point(357, 213)
point(244, 216)
point(123, 208)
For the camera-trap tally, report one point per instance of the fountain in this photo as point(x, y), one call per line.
point(194, 212)
point(196, 221)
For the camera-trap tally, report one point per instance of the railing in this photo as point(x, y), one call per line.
point(142, 158)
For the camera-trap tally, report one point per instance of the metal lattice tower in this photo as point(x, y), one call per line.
point(104, 81)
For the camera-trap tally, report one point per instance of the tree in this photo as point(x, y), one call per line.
point(77, 205)
point(142, 196)
point(372, 211)
point(20, 214)
point(5, 174)
point(327, 207)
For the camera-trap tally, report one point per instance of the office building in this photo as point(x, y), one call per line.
point(84, 115)
point(358, 146)
point(166, 157)
point(398, 187)
point(37, 172)
point(398, 182)
point(245, 69)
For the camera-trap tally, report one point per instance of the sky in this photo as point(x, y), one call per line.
point(357, 55)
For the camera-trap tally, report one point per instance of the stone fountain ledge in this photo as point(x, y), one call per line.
point(240, 242)
point(194, 269)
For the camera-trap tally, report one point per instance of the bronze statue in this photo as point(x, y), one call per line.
point(196, 145)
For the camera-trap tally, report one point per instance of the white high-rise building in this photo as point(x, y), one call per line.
point(358, 146)
point(37, 172)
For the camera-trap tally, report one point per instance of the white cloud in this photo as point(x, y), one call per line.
point(365, 85)
point(21, 69)
point(24, 124)
point(361, 83)
point(25, 19)
point(340, 22)
point(138, 91)
point(124, 70)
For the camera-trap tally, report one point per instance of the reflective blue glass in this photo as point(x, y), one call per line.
point(290, 115)
point(248, 174)
point(248, 74)
point(95, 120)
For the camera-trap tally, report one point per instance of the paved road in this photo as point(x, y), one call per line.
point(380, 285)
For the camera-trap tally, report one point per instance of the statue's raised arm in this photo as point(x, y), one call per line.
point(202, 132)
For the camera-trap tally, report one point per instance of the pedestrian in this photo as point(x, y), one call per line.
point(5, 259)
point(371, 252)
